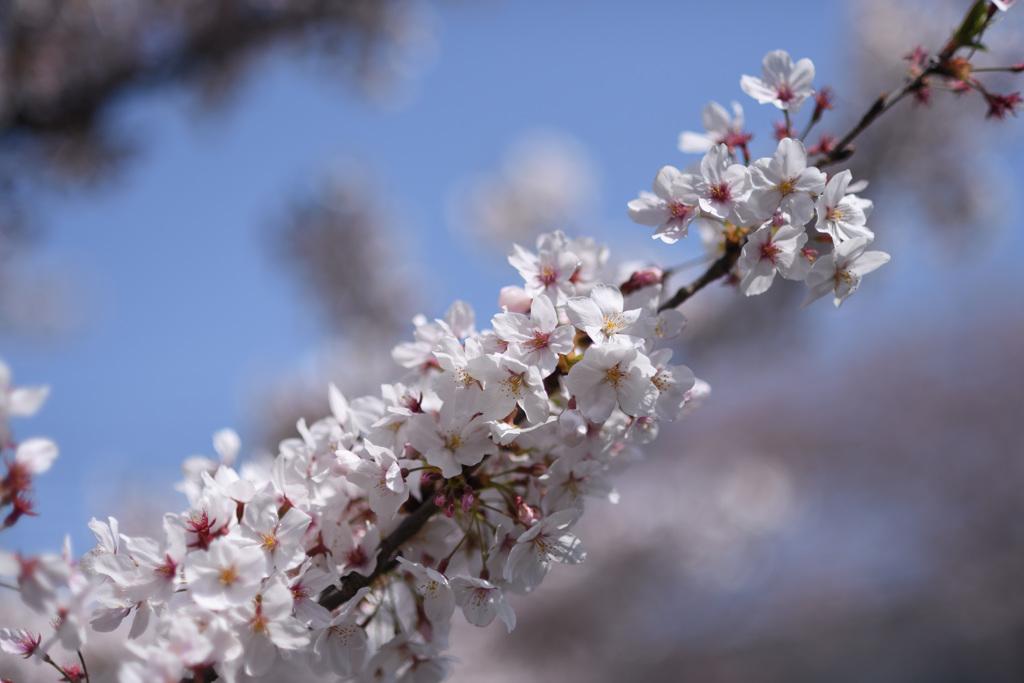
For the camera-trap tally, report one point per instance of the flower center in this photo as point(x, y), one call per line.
point(720, 192)
point(228, 575)
point(615, 376)
point(769, 251)
point(614, 322)
point(453, 441)
point(679, 211)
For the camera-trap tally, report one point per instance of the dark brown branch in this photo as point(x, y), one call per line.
point(938, 65)
point(719, 269)
point(387, 557)
point(232, 33)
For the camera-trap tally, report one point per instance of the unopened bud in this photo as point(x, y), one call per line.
point(515, 299)
point(643, 278)
point(468, 499)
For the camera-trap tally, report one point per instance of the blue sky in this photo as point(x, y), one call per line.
point(184, 313)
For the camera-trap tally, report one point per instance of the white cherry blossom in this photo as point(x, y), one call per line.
point(840, 215)
point(840, 272)
point(771, 250)
point(719, 127)
point(610, 376)
point(782, 83)
point(671, 208)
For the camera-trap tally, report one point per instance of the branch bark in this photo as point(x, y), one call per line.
point(387, 556)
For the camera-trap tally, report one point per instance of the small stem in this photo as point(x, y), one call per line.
point(49, 660)
point(85, 669)
point(1008, 69)
point(807, 130)
point(720, 268)
point(387, 554)
point(686, 265)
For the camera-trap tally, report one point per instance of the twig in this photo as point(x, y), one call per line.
point(387, 556)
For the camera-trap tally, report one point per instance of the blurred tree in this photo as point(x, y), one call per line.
point(64, 65)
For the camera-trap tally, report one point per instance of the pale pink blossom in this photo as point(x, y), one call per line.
point(671, 208)
point(610, 376)
point(840, 272)
point(782, 83)
point(481, 601)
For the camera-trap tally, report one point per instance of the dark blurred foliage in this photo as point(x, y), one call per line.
point(64, 64)
point(338, 243)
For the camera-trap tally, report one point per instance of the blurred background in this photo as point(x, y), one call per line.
point(209, 209)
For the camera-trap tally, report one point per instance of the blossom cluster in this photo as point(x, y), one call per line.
point(347, 553)
point(770, 204)
point(478, 459)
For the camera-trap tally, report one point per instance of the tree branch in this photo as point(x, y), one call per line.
point(387, 556)
point(720, 268)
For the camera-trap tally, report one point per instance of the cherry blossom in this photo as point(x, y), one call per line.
point(840, 215)
point(671, 208)
point(601, 316)
point(840, 272)
point(610, 376)
point(719, 127)
point(549, 540)
point(770, 250)
point(786, 183)
point(782, 83)
point(723, 187)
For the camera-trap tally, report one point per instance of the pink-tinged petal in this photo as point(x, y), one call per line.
point(757, 89)
point(25, 401)
point(583, 312)
point(791, 157)
point(870, 261)
point(542, 314)
point(666, 179)
point(758, 279)
point(802, 75)
point(694, 143)
point(515, 299)
point(607, 298)
point(510, 326)
point(637, 396)
point(776, 64)
point(36, 455)
point(259, 656)
point(648, 210)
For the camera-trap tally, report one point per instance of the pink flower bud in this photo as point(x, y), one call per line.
point(642, 278)
point(515, 299)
